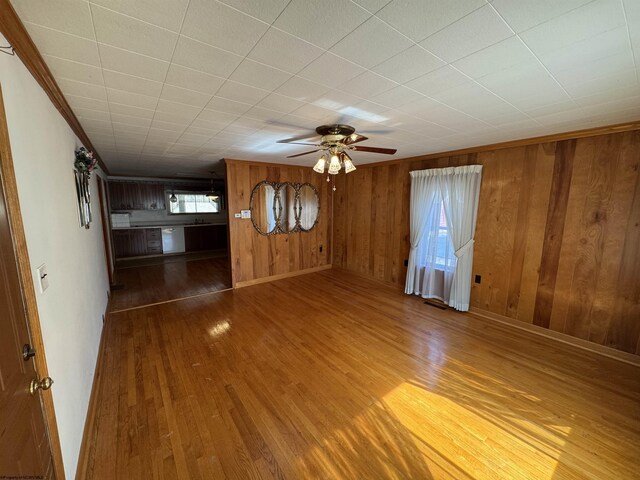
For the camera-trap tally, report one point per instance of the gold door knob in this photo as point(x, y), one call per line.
point(44, 384)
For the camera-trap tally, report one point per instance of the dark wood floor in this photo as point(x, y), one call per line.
point(172, 279)
point(332, 376)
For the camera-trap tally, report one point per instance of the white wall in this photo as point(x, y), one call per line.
point(71, 310)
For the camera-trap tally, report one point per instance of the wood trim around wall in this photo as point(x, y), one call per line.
point(603, 350)
point(90, 420)
point(10, 187)
point(272, 278)
point(16, 34)
point(556, 137)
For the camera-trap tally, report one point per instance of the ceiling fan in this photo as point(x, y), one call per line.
point(336, 140)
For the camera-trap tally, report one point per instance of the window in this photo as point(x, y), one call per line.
point(190, 202)
point(439, 251)
point(443, 249)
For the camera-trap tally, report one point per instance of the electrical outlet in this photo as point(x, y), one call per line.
point(43, 277)
point(245, 213)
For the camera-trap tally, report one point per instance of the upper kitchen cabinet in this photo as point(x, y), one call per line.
point(136, 196)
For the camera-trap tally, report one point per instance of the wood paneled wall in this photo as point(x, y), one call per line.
point(557, 239)
point(255, 256)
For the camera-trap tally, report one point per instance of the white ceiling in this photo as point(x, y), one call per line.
point(166, 87)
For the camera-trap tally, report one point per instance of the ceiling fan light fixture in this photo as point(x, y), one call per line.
point(319, 166)
point(348, 165)
point(334, 165)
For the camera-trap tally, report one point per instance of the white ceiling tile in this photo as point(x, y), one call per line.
point(258, 113)
point(224, 27)
point(280, 103)
point(80, 89)
point(308, 20)
point(133, 99)
point(92, 114)
point(525, 86)
point(161, 124)
point(607, 96)
point(480, 29)
point(80, 72)
point(64, 15)
point(132, 133)
point(580, 24)
point(265, 10)
point(550, 109)
point(228, 106)
point(214, 118)
point(63, 45)
point(164, 13)
point(397, 97)
point(524, 14)
point(313, 112)
point(184, 77)
point(284, 51)
point(596, 56)
point(205, 58)
point(128, 83)
point(367, 85)
point(372, 5)
point(438, 81)
point(301, 89)
point(409, 64)
point(130, 34)
point(125, 61)
point(501, 56)
point(182, 95)
point(331, 70)
point(90, 124)
point(130, 120)
point(258, 75)
point(91, 103)
point(371, 43)
point(130, 110)
point(241, 93)
point(418, 19)
point(592, 86)
point(337, 100)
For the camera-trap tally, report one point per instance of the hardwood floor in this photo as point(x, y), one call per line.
point(167, 280)
point(330, 375)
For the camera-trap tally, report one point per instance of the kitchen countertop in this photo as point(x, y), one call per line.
point(135, 227)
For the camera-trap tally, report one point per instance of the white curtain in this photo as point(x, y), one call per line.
point(441, 267)
point(460, 189)
point(424, 192)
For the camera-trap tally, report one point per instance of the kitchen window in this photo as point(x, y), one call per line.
point(190, 202)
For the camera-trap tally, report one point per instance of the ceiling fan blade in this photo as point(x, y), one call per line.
point(297, 137)
point(301, 143)
point(386, 151)
point(350, 141)
point(305, 153)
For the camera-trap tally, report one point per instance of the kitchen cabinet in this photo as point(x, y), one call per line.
point(136, 196)
point(129, 243)
point(137, 242)
point(208, 237)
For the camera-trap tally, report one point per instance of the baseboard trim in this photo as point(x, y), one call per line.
point(272, 278)
point(603, 350)
point(90, 420)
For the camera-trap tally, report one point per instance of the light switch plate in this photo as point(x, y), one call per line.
point(237, 215)
point(43, 277)
point(245, 213)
